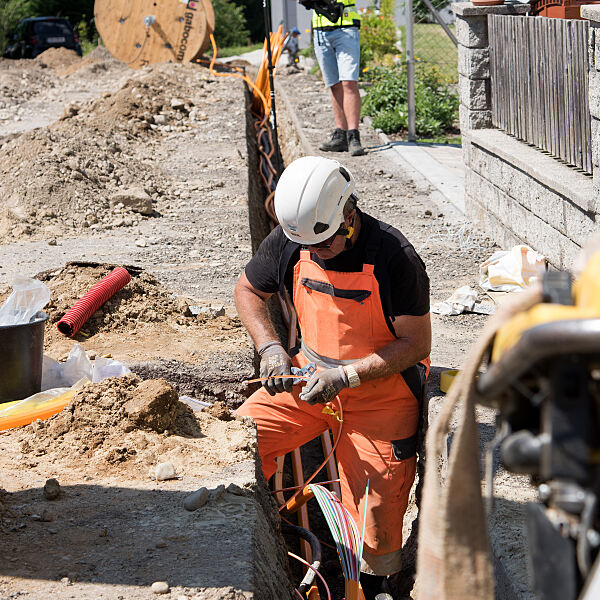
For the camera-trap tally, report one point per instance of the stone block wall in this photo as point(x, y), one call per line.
point(513, 192)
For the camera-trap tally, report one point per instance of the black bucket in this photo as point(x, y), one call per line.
point(21, 358)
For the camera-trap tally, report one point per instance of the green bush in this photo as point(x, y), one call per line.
point(230, 24)
point(386, 100)
point(377, 35)
point(11, 12)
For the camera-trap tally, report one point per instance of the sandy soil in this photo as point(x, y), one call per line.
point(178, 133)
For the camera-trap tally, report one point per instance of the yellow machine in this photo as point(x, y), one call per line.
point(543, 377)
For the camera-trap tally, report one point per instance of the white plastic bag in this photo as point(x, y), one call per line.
point(463, 299)
point(28, 297)
point(79, 366)
point(512, 270)
point(107, 367)
point(76, 367)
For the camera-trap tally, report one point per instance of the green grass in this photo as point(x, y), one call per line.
point(235, 50)
point(451, 140)
point(433, 46)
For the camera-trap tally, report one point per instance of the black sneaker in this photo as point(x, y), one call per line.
point(354, 146)
point(337, 143)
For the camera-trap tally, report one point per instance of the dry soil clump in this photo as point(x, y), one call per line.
point(142, 300)
point(126, 420)
point(55, 58)
point(143, 303)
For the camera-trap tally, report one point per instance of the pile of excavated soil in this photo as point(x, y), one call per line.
point(18, 84)
point(59, 180)
point(133, 424)
point(142, 300)
point(55, 58)
point(143, 320)
point(97, 61)
point(144, 323)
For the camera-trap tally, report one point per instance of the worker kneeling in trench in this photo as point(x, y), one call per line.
point(361, 294)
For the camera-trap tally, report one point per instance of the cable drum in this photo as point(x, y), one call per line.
point(140, 33)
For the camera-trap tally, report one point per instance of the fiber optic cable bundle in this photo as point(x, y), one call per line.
point(344, 530)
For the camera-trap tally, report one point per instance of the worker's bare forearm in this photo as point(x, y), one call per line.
point(413, 345)
point(393, 358)
point(252, 310)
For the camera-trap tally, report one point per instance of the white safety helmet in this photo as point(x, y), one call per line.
point(310, 198)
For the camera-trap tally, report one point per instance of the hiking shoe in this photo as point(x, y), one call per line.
point(337, 143)
point(354, 146)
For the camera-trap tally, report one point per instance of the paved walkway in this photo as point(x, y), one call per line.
point(440, 164)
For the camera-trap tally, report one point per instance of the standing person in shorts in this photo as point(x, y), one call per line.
point(337, 48)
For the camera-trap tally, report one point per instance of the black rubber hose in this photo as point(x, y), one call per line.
point(315, 547)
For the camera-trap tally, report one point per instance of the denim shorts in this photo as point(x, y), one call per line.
point(338, 54)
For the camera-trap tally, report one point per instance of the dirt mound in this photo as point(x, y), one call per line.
point(96, 421)
point(97, 61)
point(127, 420)
point(58, 180)
point(101, 53)
point(21, 80)
point(142, 300)
point(55, 58)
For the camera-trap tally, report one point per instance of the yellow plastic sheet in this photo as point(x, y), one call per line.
point(42, 405)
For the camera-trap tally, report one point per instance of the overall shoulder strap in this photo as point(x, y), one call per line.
point(284, 261)
point(373, 243)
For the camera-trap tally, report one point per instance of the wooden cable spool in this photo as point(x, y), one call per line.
point(142, 32)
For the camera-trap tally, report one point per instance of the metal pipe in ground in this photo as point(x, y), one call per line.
point(410, 71)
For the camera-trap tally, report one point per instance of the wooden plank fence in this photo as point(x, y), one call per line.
point(539, 84)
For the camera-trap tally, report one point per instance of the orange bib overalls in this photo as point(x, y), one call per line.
point(341, 319)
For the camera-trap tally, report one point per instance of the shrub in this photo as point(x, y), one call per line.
point(377, 33)
point(386, 100)
point(11, 12)
point(230, 24)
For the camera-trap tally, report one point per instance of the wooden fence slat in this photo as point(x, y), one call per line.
point(529, 88)
point(576, 64)
point(583, 100)
point(572, 106)
point(563, 117)
point(545, 82)
point(540, 107)
point(539, 84)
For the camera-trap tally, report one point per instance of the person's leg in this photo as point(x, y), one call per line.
point(326, 57)
point(347, 47)
point(351, 103)
point(338, 102)
point(283, 423)
point(375, 420)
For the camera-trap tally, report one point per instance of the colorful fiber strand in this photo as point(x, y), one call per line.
point(348, 541)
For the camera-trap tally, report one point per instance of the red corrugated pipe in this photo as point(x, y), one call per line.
point(92, 300)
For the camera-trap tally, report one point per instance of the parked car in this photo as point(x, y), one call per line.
point(37, 34)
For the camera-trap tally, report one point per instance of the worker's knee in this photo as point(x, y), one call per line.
point(350, 86)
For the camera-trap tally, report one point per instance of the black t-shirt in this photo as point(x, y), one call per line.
point(399, 270)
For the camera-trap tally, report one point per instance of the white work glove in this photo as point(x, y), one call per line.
point(274, 362)
point(324, 386)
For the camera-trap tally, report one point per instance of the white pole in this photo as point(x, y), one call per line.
point(410, 71)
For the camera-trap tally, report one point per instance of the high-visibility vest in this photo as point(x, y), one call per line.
point(350, 18)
